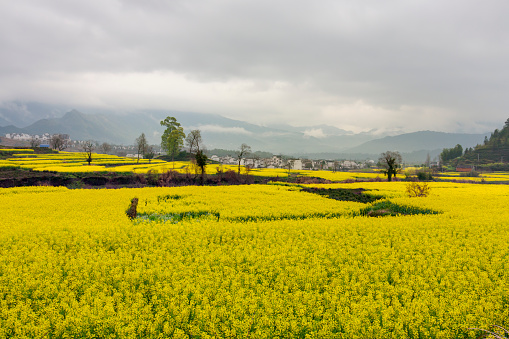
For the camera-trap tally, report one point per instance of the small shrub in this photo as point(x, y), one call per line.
point(409, 174)
point(76, 184)
point(424, 175)
point(498, 332)
point(219, 172)
point(378, 213)
point(231, 177)
point(388, 208)
point(167, 178)
point(140, 178)
point(416, 189)
point(131, 211)
point(344, 194)
point(472, 173)
point(152, 178)
point(165, 198)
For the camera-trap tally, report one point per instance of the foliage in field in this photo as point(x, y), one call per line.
point(417, 189)
point(73, 265)
point(344, 194)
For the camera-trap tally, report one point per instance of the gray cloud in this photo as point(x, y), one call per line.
point(221, 129)
point(370, 64)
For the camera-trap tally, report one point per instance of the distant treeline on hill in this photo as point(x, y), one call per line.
point(493, 154)
point(224, 152)
point(185, 156)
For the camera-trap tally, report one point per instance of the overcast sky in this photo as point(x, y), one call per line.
point(358, 65)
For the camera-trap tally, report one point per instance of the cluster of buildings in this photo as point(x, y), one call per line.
point(43, 139)
point(278, 161)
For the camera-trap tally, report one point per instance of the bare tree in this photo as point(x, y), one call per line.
point(150, 154)
point(242, 152)
point(34, 142)
point(105, 148)
point(58, 142)
point(391, 163)
point(428, 161)
point(336, 166)
point(141, 145)
point(88, 148)
point(256, 160)
point(193, 141)
point(247, 169)
point(289, 165)
point(265, 162)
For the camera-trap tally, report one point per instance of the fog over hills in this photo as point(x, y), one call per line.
point(416, 141)
point(220, 132)
point(21, 114)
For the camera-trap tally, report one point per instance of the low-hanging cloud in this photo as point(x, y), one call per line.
point(221, 129)
point(298, 62)
point(315, 133)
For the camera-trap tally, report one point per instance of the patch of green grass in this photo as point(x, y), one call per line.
point(169, 197)
point(176, 217)
point(388, 208)
point(344, 194)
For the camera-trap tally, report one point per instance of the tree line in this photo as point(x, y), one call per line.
point(174, 139)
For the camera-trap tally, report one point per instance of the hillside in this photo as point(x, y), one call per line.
point(23, 114)
point(422, 140)
point(224, 133)
point(217, 131)
point(492, 154)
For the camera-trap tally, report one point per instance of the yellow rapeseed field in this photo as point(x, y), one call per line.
point(256, 262)
point(75, 162)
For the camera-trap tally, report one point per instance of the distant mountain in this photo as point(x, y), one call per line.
point(217, 131)
point(423, 140)
point(224, 133)
point(317, 130)
point(23, 114)
point(10, 129)
point(492, 153)
point(415, 157)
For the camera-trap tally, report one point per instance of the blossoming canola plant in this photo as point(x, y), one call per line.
point(71, 162)
point(73, 265)
point(242, 203)
point(16, 150)
point(488, 177)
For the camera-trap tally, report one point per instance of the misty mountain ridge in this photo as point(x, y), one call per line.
point(416, 141)
point(22, 114)
point(217, 131)
point(224, 133)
